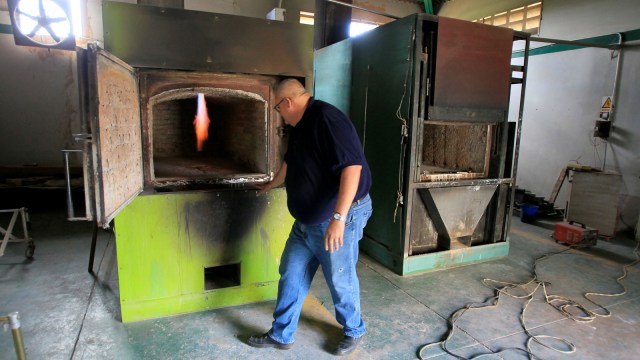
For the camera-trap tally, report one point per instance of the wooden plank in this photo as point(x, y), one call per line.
point(558, 185)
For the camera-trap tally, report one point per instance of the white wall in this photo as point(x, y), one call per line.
point(38, 103)
point(563, 97)
point(577, 19)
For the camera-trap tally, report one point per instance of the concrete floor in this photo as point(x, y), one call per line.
point(66, 313)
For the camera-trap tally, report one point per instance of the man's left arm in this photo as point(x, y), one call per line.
point(349, 180)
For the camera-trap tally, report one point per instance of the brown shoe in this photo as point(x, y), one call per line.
point(265, 341)
point(347, 345)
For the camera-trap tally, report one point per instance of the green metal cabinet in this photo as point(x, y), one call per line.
point(429, 97)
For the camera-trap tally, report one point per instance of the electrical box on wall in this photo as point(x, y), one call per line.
point(602, 129)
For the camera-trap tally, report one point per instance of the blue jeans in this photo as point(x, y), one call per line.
point(303, 253)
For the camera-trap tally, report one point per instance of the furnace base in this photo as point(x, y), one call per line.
point(186, 252)
point(436, 260)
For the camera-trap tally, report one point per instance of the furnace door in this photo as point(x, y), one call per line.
point(116, 142)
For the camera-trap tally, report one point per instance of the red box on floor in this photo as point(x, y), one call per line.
point(572, 234)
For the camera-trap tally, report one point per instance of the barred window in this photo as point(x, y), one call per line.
point(356, 27)
point(525, 18)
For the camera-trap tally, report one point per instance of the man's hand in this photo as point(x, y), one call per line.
point(263, 188)
point(333, 238)
point(349, 179)
point(275, 182)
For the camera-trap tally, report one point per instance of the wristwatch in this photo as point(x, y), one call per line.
point(339, 217)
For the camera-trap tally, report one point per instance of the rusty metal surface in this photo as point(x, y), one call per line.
point(425, 176)
point(466, 114)
point(423, 237)
point(454, 183)
point(499, 216)
point(472, 65)
point(451, 148)
point(114, 112)
point(156, 37)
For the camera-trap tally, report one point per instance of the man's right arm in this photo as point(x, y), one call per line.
point(277, 180)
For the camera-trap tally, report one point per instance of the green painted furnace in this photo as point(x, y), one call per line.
point(192, 251)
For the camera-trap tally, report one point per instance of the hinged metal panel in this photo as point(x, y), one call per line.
point(472, 65)
point(114, 119)
point(382, 108)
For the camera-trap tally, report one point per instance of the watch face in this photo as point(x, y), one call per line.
point(337, 216)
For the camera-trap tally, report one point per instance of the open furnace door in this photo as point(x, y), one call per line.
point(114, 121)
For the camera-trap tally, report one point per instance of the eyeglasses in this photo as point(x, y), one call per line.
point(277, 107)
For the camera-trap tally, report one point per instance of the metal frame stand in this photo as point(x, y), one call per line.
point(8, 232)
point(70, 209)
point(18, 343)
point(92, 253)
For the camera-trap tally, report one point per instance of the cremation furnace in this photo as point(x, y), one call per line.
point(190, 232)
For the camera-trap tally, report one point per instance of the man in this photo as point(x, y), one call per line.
point(327, 181)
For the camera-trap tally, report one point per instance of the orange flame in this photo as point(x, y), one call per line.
point(201, 122)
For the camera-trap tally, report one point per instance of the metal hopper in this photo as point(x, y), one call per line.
point(456, 211)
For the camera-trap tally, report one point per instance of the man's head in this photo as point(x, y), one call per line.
point(291, 100)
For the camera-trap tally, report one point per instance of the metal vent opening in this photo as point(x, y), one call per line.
point(224, 276)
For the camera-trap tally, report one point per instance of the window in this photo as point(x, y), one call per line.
point(525, 18)
point(356, 27)
point(76, 16)
point(306, 18)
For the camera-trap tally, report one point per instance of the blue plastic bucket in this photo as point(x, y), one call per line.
point(528, 212)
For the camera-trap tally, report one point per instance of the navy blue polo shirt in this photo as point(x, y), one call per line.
point(321, 144)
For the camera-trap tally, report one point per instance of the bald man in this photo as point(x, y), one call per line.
point(327, 180)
